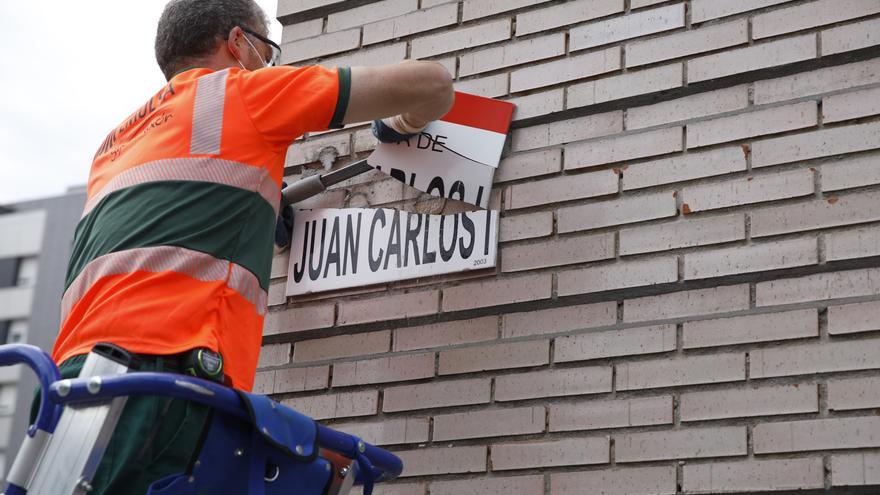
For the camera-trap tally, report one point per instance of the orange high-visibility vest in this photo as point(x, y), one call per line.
point(174, 247)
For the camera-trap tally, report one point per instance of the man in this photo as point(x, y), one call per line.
point(173, 252)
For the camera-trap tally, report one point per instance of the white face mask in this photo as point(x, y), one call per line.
point(260, 57)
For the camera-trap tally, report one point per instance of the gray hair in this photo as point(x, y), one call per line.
point(190, 29)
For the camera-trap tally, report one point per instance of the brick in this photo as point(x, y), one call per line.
point(528, 226)
point(497, 292)
point(818, 81)
point(274, 355)
point(280, 262)
point(680, 444)
point(411, 23)
point(689, 107)
point(810, 15)
point(537, 104)
point(388, 307)
point(625, 85)
point(562, 188)
point(623, 148)
point(830, 212)
point(819, 434)
point(677, 372)
point(567, 131)
point(751, 329)
point(474, 9)
point(855, 469)
point(753, 189)
point(752, 124)
point(625, 210)
point(689, 232)
point(319, 46)
point(630, 341)
point(704, 10)
point(342, 346)
point(494, 357)
point(747, 402)
point(619, 275)
point(813, 358)
point(525, 165)
point(436, 394)
point(816, 144)
point(513, 53)
point(387, 54)
point(446, 334)
point(301, 379)
point(444, 460)
point(637, 4)
point(277, 293)
point(656, 480)
point(376, 11)
point(553, 383)
point(761, 56)
point(565, 452)
point(850, 37)
point(754, 476)
point(489, 423)
point(854, 393)
point(301, 30)
point(287, 7)
point(684, 167)
point(382, 370)
point(849, 244)
point(299, 319)
point(568, 13)
point(819, 287)
point(853, 105)
point(521, 485)
point(457, 39)
point(556, 252)
point(688, 303)
point(602, 414)
point(339, 405)
point(568, 69)
point(558, 320)
point(747, 259)
point(264, 382)
point(854, 318)
point(307, 151)
point(703, 39)
point(489, 87)
point(852, 172)
point(628, 26)
point(388, 431)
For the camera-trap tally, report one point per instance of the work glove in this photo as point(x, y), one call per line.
point(284, 225)
point(388, 135)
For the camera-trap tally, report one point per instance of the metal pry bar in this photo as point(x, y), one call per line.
point(316, 184)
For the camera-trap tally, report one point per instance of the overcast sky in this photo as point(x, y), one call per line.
point(72, 71)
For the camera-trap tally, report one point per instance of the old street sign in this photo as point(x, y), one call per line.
point(352, 247)
point(454, 157)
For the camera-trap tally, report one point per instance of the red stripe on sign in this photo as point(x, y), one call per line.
point(484, 113)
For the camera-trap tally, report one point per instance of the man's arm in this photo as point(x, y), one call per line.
point(412, 93)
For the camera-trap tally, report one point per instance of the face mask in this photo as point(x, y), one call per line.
point(260, 57)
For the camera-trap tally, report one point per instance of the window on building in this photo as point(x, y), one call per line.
point(27, 272)
point(9, 272)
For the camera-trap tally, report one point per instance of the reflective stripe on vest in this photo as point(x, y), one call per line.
point(207, 123)
point(212, 170)
point(194, 264)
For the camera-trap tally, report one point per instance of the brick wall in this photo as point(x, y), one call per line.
point(688, 292)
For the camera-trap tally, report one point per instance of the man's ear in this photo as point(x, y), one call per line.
point(234, 40)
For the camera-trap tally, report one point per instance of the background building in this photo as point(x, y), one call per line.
point(35, 241)
point(688, 294)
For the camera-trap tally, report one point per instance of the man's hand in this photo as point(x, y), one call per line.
point(386, 132)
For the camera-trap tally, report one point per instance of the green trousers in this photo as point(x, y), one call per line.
point(155, 437)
